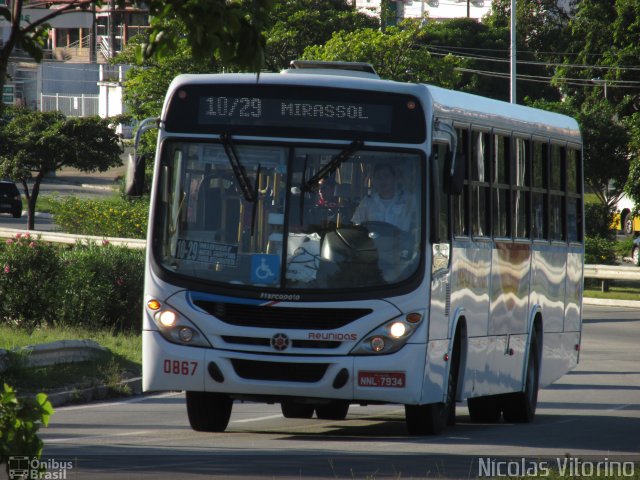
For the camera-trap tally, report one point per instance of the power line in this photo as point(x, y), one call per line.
point(527, 62)
point(580, 82)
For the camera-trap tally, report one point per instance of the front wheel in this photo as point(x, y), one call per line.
point(429, 419)
point(296, 410)
point(334, 410)
point(485, 409)
point(432, 419)
point(208, 411)
point(520, 407)
point(635, 255)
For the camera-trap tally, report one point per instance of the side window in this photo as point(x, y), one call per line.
point(460, 202)
point(556, 193)
point(574, 196)
point(501, 186)
point(539, 174)
point(479, 183)
point(521, 187)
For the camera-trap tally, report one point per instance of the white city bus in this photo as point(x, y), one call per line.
point(267, 281)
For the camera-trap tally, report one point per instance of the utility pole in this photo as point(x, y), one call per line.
point(513, 51)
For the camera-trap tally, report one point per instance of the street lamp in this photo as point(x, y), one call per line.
point(513, 52)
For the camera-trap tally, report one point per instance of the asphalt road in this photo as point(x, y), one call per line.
point(590, 415)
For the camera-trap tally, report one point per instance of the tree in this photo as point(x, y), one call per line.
point(293, 26)
point(472, 44)
point(541, 39)
point(297, 24)
point(396, 54)
point(606, 161)
point(147, 82)
point(232, 30)
point(36, 144)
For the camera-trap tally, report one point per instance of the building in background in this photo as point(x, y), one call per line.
point(436, 9)
point(74, 74)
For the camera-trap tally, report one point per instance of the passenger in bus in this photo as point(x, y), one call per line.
point(388, 203)
point(327, 193)
point(326, 205)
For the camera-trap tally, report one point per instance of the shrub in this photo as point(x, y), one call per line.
point(103, 287)
point(20, 420)
point(29, 272)
point(599, 250)
point(598, 219)
point(110, 218)
point(94, 286)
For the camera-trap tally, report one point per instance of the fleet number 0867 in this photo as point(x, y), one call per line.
point(180, 367)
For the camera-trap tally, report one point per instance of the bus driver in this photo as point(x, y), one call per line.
point(388, 202)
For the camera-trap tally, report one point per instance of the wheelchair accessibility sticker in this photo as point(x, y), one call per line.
point(265, 269)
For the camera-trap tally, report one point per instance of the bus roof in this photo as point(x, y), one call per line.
point(457, 106)
point(474, 109)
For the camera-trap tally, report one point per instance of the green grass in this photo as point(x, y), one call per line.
point(615, 293)
point(123, 360)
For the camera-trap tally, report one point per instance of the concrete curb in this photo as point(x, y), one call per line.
point(62, 351)
point(70, 351)
point(72, 395)
point(609, 302)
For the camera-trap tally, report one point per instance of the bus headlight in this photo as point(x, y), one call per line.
point(389, 337)
point(177, 329)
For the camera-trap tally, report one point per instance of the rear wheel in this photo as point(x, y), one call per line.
point(296, 410)
point(520, 407)
point(208, 412)
point(334, 410)
point(635, 255)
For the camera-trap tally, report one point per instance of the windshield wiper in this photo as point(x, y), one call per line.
point(239, 172)
point(332, 165)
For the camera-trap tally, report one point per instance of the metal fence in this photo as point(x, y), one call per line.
point(81, 105)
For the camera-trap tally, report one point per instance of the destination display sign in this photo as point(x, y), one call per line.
point(277, 112)
point(293, 111)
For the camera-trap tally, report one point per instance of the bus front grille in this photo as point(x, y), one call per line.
point(279, 372)
point(282, 317)
point(266, 342)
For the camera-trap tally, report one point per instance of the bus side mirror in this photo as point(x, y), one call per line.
point(134, 186)
point(454, 173)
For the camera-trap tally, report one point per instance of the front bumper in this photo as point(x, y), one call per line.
point(168, 366)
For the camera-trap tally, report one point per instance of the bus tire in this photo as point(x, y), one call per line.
point(292, 409)
point(485, 409)
point(432, 419)
point(208, 411)
point(334, 410)
point(429, 419)
point(520, 407)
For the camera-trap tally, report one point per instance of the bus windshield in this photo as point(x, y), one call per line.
point(290, 217)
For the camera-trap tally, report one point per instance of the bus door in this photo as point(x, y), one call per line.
point(440, 246)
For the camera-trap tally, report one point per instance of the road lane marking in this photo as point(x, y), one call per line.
point(93, 437)
point(257, 419)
